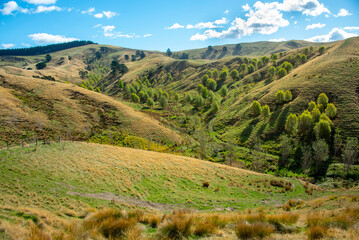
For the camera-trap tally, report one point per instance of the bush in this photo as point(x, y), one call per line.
point(311, 106)
point(135, 98)
point(163, 102)
point(40, 65)
point(251, 68)
point(223, 91)
point(211, 84)
point(316, 114)
point(323, 130)
point(265, 111)
point(323, 100)
point(287, 96)
point(321, 50)
point(255, 108)
point(204, 228)
point(281, 72)
point(305, 122)
point(279, 97)
point(287, 66)
point(292, 123)
point(234, 74)
point(331, 110)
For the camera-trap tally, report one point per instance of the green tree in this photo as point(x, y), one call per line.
point(279, 97)
point(265, 60)
point(291, 123)
point(316, 114)
point(135, 98)
point(331, 110)
point(311, 106)
point(234, 74)
point(150, 102)
point(189, 98)
point(303, 58)
point(274, 56)
point(246, 60)
point(48, 57)
point(260, 64)
point(204, 79)
point(163, 101)
point(169, 52)
point(98, 90)
point(120, 84)
point(323, 130)
point(204, 92)
point(271, 72)
point(251, 68)
point(287, 96)
point(323, 99)
point(177, 97)
point(198, 101)
point(306, 159)
point(215, 74)
point(40, 65)
point(243, 67)
point(255, 108)
point(281, 72)
point(223, 91)
point(321, 50)
point(305, 123)
point(265, 111)
point(306, 51)
point(209, 73)
point(211, 84)
point(223, 75)
point(214, 107)
point(321, 154)
point(350, 153)
point(287, 66)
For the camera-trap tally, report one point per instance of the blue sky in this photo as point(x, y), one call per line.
point(178, 25)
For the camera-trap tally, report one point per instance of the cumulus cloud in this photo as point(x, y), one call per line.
point(343, 13)
point(175, 26)
point(109, 14)
point(314, 26)
point(202, 25)
point(41, 2)
point(246, 7)
point(226, 12)
point(11, 7)
point(147, 35)
point(8, 45)
point(351, 28)
point(334, 35)
point(41, 9)
point(108, 30)
point(278, 40)
point(98, 15)
point(45, 38)
point(307, 7)
point(264, 19)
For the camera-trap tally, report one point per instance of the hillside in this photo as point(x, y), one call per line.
point(255, 49)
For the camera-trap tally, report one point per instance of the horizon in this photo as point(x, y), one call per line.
point(157, 26)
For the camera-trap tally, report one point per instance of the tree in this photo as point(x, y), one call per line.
point(311, 106)
point(281, 72)
point(198, 101)
point(305, 123)
point(350, 153)
point(246, 60)
point(243, 67)
point(265, 60)
point(255, 108)
point(40, 65)
point(223, 75)
point(287, 96)
point(98, 90)
point(259, 64)
point(316, 114)
point(127, 57)
point(143, 96)
point(287, 66)
point(291, 123)
point(177, 97)
point(323, 99)
point(321, 50)
point(231, 155)
point(204, 92)
point(274, 56)
point(271, 72)
point(279, 97)
point(204, 79)
point(189, 98)
point(202, 138)
point(48, 57)
point(215, 74)
point(135, 98)
point(322, 130)
point(150, 102)
point(83, 74)
point(214, 107)
point(211, 84)
point(285, 151)
point(223, 91)
point(168, 52)
point(307, 159)
point(234, 74)
point(163, 101)
point(331, 110)
point(321, 154)
point(251, 68)
point(303, 58)
point(265, 111)
point(120, 83)
point(209, 73)
point(306, 51)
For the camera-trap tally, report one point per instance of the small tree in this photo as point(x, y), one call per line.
point(163, 101)
point(40, 65)
point(271, 72)
point(198, 101)
point(223, 75)
point(168, 52)
point(120, 84)
point(98, 90)
point(135, 98)
point(251, 68)
point(292, 123)
point(303, 58)
point(211, 84)
point(265, 111)
point(287, 96)
point(274, 56)
point(323, 130)
point(177, 97)
point(259, 64)
point(305, 123)
point(323, 100)
point(321, 50)
point(255, 108)
point(321, 154)
point(223, 91)
point(286, 149)
point(204, 79)
point(316, 115)
point(350, 153)
point(214, 107)
point(307, 159)
point(281, 72)
point(48, 57)
point(234, 74)
point(150, 102)
point(246, 60)
point(311, 106)
point(331, 110)
point(287, 66)
point(202, 138)
point(215, 74)
point(243, 67)
point(279, 97)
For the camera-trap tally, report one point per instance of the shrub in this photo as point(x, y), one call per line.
point(245, 230)
point(265, 111)
point(40, 65)
point(255, 108)
point(287, 66)
point(323, 99)
point(321, 50)
point(271, 71)
point(287, 96)
point(292, 123)
point(150, 103)
point(305, 122)
point(204, 79)
point(135, 98)
point(331, 110)
point(251, 68)
point(279, 97)
point(163, 102)
point(317, 232)
point(205, 184)
point(223, 91)
point(211, 84)
point(234, 74)
point(153, 220)
point(286, 218)
point(323, 130)
point(223, 75)
point(281, 72)
point(315, 114)
point(311, 106)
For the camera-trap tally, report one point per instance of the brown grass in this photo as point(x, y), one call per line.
point(286, 218)
point(176, 226)
point(316, 232)
point(245, 230)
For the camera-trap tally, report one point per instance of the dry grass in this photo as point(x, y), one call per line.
point(286, 218)
point(153, 220)
point(245, 230)
point(317, 232)
point(176, 226)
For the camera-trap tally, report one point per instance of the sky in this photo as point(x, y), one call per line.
point(178, 25)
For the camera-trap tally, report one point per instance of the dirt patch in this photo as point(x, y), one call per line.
point(127, 200)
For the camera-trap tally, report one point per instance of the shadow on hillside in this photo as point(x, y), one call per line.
point(248, 130)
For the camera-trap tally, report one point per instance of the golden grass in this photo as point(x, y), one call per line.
point(317, 232)
point(245, 230)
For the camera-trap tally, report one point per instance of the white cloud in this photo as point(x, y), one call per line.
point(108, 30)
point(89, 11)
point(98, 15)
point(8, 45)
point(109, 14)
point(246, 7)
point(41, 9)
point(45, 38)
point(147, 35)
point(226, 12)
point(314, 26)
point(221, 21)
point(97, 25)
point(11, 7)
point(277, 40)
point(295, 22)
point(264, 19)
point(41, 2)
point(175, 26)
point(307, 7)
point(342, 13)
point(334, 35)
point(203, 25)
point(351, 28)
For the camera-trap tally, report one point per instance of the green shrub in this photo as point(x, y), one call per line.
point(279, 97)
point(287, 96)
point(255, 108)
point(331, 110)
point(135, 98)
point(292, 123)
point(281, 72)
point(323, 100)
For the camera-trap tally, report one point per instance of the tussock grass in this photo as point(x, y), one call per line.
point(176, 226)
point(245, 230)
point(317, 232)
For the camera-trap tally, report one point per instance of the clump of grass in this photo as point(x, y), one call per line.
point(258, 217)
point(315, 219)
point(317, 232)
point(203, 228)
point(177, 226)
point(153, 220)
point(286, 218)
point(37, 234)
point(245, 230)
